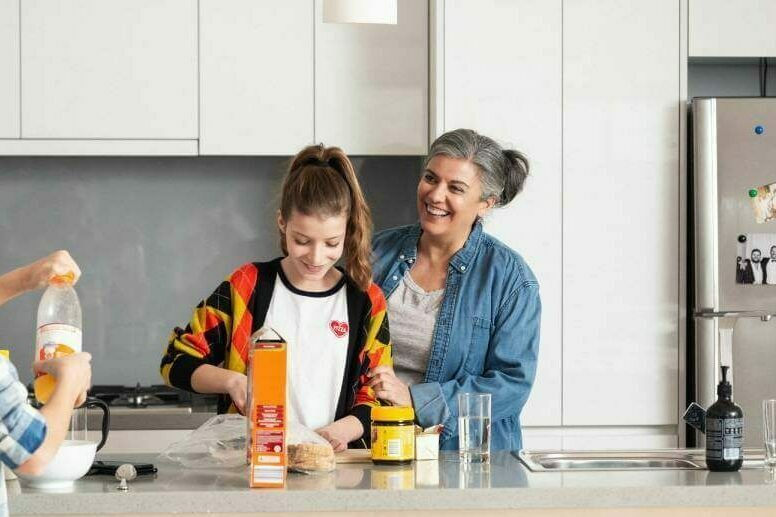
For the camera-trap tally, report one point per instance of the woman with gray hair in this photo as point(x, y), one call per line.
point(464, 307)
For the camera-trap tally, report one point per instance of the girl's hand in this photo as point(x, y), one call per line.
point(39, 273)
point(388, 387)
point(341, 432)
point(237, 389)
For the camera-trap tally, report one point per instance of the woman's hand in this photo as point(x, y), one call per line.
point(341, 432)
point(39, 273)
point(388, 387)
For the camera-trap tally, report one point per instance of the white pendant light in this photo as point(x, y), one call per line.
point(360, 11)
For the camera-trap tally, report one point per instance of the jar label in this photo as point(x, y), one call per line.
point(393, 442)
point(724, 438)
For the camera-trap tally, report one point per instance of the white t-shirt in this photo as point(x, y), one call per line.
point(315, 327)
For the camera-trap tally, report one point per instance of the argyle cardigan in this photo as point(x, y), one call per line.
point(220, 329)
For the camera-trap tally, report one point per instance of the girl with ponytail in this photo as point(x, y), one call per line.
point(465, 306)
point(333, 319)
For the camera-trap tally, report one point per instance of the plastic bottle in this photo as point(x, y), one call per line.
point(724, 430)
point(59, 331)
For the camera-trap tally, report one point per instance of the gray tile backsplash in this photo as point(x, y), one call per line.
point(153, 237)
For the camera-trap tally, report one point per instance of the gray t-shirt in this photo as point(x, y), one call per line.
point(412, 312)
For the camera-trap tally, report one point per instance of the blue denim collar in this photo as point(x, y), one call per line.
point(459, 262)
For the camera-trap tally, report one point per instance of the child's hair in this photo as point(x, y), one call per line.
point(322, 181)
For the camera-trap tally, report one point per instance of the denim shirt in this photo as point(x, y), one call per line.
point(486, 337)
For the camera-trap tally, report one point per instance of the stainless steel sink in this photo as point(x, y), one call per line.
point(660, 459)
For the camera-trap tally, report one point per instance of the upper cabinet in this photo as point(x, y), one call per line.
point(497, 69)
point(256, 76)
point(109, 69)
point(721, 28)
point(371, 83)
point(9, 62)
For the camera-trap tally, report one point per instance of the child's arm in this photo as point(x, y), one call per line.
point(195, 356)
point(33, 437)
point(37, 274)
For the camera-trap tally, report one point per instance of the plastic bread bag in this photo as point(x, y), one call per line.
point(219, 442)
point(308, 452)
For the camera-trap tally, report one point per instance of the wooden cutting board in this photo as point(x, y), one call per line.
point(354, 456)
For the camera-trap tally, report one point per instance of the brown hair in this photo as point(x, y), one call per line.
point(322, 181)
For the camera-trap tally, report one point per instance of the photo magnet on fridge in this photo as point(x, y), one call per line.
point(756, 259)
point(762, 199)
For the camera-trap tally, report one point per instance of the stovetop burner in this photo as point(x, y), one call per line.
point(140, 396)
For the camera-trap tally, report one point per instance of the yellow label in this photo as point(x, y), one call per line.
point(6, 354)
point(393, 442)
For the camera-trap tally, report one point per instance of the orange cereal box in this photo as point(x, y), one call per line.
point(267, 410)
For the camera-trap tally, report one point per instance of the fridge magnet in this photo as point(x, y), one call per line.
point(762, 199)
point(756, 259)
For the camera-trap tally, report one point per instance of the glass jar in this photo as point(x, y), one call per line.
point(393, 435)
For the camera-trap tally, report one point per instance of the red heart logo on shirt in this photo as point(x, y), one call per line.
point(340, 328)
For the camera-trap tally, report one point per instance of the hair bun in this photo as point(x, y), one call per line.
point(516, 170)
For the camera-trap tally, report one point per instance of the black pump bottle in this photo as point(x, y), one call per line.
point(724, 430)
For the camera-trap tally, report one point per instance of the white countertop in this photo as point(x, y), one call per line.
point(426, 485)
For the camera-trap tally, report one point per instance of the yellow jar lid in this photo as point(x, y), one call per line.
point(392, 413)
point(6, 354)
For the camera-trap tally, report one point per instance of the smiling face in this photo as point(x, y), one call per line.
point(449, 198)
point(755, 255)
point(314, 245)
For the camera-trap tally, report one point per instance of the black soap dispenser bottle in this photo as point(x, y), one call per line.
point(724, 430)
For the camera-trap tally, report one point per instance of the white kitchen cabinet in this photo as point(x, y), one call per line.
point(109, 69)
point(621, 177)
point(9, 63)
point(721, 28)
point(256, 77)
point(371, 83)
point(497, 70)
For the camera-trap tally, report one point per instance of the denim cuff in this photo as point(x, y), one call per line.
point(431, 406)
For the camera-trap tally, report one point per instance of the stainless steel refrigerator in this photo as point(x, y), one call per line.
point(734, 192)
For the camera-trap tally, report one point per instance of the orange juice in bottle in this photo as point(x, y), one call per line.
point(59, 329)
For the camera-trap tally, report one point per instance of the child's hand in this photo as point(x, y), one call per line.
point(341, 432)
point(39, 273)
point(73, 373)
point(237, 388)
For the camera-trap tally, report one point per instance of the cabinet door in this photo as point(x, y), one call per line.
point(732, 29)
point(256, 76)
point(620, 212)
point(371, 83)
point(9, 62)
point(502, 78)
point(109, 69)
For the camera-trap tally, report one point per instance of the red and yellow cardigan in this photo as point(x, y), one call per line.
point(220, 328)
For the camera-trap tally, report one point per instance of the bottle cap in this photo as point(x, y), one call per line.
point(753, 192)
point(724, 389)
point(66, 279)
point(392, 413)
point(6, 354)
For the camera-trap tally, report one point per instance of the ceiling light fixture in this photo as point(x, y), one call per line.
point(360, 11)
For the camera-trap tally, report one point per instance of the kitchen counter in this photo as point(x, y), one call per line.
point(427, 485)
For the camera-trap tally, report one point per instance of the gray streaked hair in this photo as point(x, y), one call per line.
point(502, 171)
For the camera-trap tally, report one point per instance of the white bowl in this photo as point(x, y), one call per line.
point(72, 461)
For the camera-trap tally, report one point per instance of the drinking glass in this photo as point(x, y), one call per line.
point(769, 431)
point(474, 427)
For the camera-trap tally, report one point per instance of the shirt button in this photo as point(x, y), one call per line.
point(395, 277)
point(401, 257)
point(463, 268)
point(412, 260)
